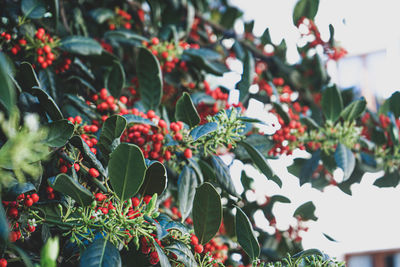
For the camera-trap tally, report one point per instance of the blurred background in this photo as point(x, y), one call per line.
point(365, 225)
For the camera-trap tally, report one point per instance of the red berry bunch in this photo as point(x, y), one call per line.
point(14, 210)
point(64, 65)
point(121, 19)
point(44, 45)
point(217, 249)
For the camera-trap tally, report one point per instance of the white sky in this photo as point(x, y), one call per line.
point(369, 219)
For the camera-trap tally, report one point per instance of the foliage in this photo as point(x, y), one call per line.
point(114, 139)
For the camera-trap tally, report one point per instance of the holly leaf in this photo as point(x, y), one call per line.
point(345, 160)
point(332, 103)
point(306, 211)
point(68, 186)
point(110, 134)
point(186, 112)
point(207, 212)
point(245, 235)
point(59, 132)
point(247, 76)
point(80, 45)
point(115, 79)
point(354, 110)
point(100, 253)
point(187, 183)
point(126, 170)
point(155, 180)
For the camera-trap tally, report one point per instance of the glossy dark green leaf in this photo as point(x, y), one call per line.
point(101, 15)
point(308, 252)
point(155, 180)
point(85, 84)
point(161, 231)
point(7, 93)
point(14, 189)
point(26, 77)
point(48, 82)
point(354, 110)
point(394, 103)
point(80, 105)
point(150, 79)
point(80, 45)
point(229, 17)
point(345, 160)
point(306, 211)
point(68, 186)
point(164, 261)
point(245, 235)
point(207, 212)
point(110, 134)
point(310, 123)
point(207, 60)
point(33, 9)
point(185, 111)
point(355, 177)
point(266, 37)
point(200, 97)
point(3, 227)
point(247, 182)
point(207, 171)
point(223, 176)
point(260, 142)
point(115, 79)
point(187, 183)
point(203, 130)
point(48, 104)
point(59, 132)
point(247, 76)
point(309, 167)
point(329, 238)
point(125, 37)
point(182, 252)
point(130, 119)
point(390, 179)
point(260, 161)
point(100, 253)
point(332, 103)
point(88, 155)
point(126, 170)
point(305, 8)
point(284, 115)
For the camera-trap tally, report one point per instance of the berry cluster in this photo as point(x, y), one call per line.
point(217, 250)
point(44, 45)
point(19, 224)
point(121, 19)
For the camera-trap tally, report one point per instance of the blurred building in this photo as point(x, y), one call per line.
point(377, 258)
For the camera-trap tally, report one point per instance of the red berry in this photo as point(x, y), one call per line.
point(47, 49)
point(35, 197)
point(198, 248)
point(40, 59)
point(13, 212)
point(31, 228)
point(3, 262)
point(151, 114)
point(165, 54)
point(147, 199)
point(94, 173)
point(162, 124)
point(111, 27)
point(13, 237)
point(154, 255)
point(28, 202)
point(14, 50)
point(155, 41)
point(22, 42)
point(7, 37)
point(167, 155)
point(123, 99)
point(21, 196)
point(100, 196)
point(187, 153)
point(78, 119)
point(194, 240)
point(94, 128)
point(135, 201)
point(63, 169)
point(77, 167)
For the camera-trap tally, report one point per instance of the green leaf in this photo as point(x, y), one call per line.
point(229, 17)
point(110, 134)
point(3, 227)
point(48, 104)
point(33, 9)
point(150, 79)
point(125, 37)
point(182, 252)
point(155, 180)
point(59, 132)
point(308, 252)
point(7, 93)
point(164, 261)
point(126, 170)
point(49, 253)
point(26, 77)
point(223, 175)
point(310, 123)
point(186, 112)
point(207, 212)
point(306, 211)
point(80, 45)
point(247, 76)
point(354, 110)
point(101, 15)
point(203, 130)
point(332, 103)
point(201, 97)
point(101, 253)
point(88, 155)
point(130, 119)
point(390, 179)
point(47, 82)
point(245, 235)
point(260, 161)
point(345, 160)
point(305, 8)
point(115, 79)
point(329, 238)
point(187, 183)
point(266, 37)
point(307, 167)
point(394, 104)
point(284, 115)
point(68, 186)
point(206, 59)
